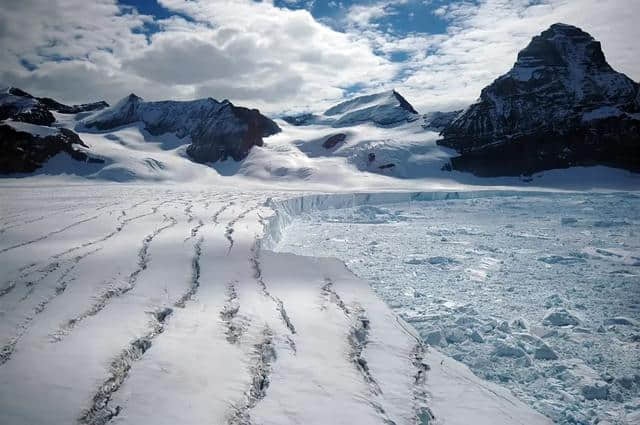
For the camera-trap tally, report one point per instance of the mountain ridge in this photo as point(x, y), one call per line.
point(216, 130)
point(384, 109)
point(560, 105)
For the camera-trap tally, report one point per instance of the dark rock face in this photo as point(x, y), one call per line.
point(22, 152)
point(332, 141)
point(218, 130)
point(403, 103)
point(25, 148)
point(22, 106)
point(53, 105)
point(438, 121)
point(561, 105)
point(37, 115)
point(236, 140)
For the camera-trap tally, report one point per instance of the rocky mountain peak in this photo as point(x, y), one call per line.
point(560, 105)
point(130, 98)
point(563, 46)
point(216, 130)
point(403, 102)
point(18, 92)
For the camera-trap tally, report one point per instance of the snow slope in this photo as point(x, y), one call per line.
point(362, 156)
point(385, 109)
point(129, 304)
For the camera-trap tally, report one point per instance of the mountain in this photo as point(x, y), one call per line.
point(560, 105)
point(217, 130)
point(26, 147)
point(384, 109)
point(28, 135)
point(19, 105)
point(438, 121)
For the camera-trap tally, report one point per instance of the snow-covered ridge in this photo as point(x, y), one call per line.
point(22, 106)
point(36, 130)
point(383, 109)
point(216, 130)
point(29, 133)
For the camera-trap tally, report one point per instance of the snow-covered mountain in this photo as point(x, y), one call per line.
point(383, 109)
point(216, 130)
point(19, 105)
point(29, 136)
point(561, 105)
point(438, 121)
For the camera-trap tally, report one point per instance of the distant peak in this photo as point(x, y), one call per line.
point(403, 102)
point(563, 27)
point(562, 45)
point(133, 97)
point(18, 92)
point(570, 31)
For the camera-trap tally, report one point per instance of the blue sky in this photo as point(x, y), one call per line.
point(412, 16)
point(287, 56)
point(400, 18)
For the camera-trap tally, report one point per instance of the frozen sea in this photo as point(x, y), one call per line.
point(540, 293)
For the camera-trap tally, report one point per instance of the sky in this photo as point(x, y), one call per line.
point(289, 56)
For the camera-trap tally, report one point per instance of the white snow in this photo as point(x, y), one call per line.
point(158, 301)
point(155, 304)
point(36, 130)
point(381, 109)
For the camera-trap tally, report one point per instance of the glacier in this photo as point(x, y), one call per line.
point(138, 303)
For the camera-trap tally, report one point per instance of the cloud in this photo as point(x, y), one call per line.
point(360, 15)
point(261, 55)
point(483, 38)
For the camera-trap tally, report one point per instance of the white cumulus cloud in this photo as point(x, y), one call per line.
point(260, 55)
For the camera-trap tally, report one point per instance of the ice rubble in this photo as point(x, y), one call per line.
point(492, 293)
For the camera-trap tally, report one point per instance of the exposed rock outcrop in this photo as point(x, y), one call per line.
point(437, 121)
point(27, 138)
point(19, 105)
point(26, 151)
point(561, 105)
point(218, 130)
point(334, 140)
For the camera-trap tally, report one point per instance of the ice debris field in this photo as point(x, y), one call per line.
point(539, 293)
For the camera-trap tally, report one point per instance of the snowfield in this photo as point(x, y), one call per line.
point(537, 292)
point(146, 304)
